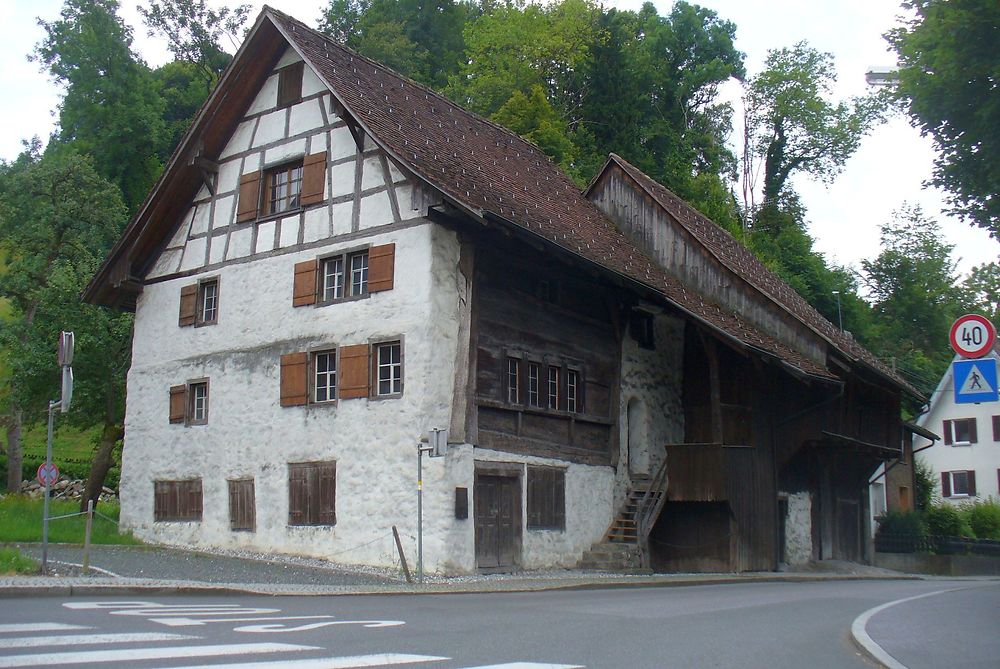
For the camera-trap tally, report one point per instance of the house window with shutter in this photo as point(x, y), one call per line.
point(242, 506)
point(996, 428)
point(208, 302)
point(572, 390)
point(175, 501)
point(388, 361)
point(325, 376)
point(546, 505)
point(189, 403)
point(958, 484)
point(342, 276)
point(199, 304)
point(960, 432)
point(290, 84)
point(312, 493)
point(282, 187)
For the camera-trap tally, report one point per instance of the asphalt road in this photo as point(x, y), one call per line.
point(772, 625)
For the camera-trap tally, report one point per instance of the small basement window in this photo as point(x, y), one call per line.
point(546, 498)
point(312, 493)
point(177, 501)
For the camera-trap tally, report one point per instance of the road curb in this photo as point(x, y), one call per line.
point(82, 589)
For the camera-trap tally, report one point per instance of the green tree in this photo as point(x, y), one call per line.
point(195, 32)
point(912, 287)
point(792, 125)
point(423, 40)
point(57, 219)
point(111, 109)
point(947, 80)
point(532, 117)
point(183, 87)
point(982, 290)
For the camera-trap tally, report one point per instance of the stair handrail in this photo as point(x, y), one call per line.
point(649, 510)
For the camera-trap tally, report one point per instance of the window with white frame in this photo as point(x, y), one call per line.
point(208, 302)
point(534, 372)
point(553, 387)
point(389, 368)
point(513, 380)
point(958, 484)
point(359, 273)
point(282, 186)
point(198, 394)
point(572, 390)
point(960, 431)
point(333, 278)
point(325, 376)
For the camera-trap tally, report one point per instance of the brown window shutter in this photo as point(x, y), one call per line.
point(945, 484)
point(972, 431)
point(972, 482)
point(178, 403)
point(189, 305)
point(313, 178)
point(304, 286)
point(559, 498)
point(294, 379)
point(289, 84)
point(327, 493)
point(946, 426)
point(381, 265)
point(249, 197)
point(297, 485)
point(194, 506)
point(353, 372)
point(996, 428)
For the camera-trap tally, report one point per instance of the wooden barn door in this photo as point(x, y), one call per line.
point(498, 521)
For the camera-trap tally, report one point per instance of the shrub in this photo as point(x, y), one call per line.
point(984, 518)
point(945, 520)
point(12, 562)
point(901, 532)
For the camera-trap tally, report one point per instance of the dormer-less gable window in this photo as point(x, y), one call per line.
point(290, 84)
point(282, 188)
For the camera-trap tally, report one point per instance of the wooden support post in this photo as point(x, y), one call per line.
point(402, 558)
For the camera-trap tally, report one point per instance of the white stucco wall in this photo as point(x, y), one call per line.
point(982, 457)
point(652, 381)
point(798, 528)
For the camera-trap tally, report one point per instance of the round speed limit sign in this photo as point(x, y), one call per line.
point(972, 336)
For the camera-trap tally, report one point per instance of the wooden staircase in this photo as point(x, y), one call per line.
point(624, 546)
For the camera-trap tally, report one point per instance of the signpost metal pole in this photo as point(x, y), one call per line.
point(437, 447)
point(45, 504)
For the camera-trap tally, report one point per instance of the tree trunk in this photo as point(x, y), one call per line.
point(15, 451)
point(110, 435)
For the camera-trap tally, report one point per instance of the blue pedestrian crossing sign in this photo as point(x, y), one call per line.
point(975, 380)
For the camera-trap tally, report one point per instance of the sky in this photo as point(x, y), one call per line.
point(845, 217)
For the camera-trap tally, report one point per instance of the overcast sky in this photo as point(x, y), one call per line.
point(887, 171)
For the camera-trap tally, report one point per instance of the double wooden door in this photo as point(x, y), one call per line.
point(497, 502)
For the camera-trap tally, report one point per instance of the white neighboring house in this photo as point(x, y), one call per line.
point(966, 462)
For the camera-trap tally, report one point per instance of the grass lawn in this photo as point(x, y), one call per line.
point(21, 521)
point(12, 562)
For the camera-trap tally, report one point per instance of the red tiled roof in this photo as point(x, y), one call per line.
point(486, 169)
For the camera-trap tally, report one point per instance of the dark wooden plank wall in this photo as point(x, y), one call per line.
point(646, 223)
point(548, 314)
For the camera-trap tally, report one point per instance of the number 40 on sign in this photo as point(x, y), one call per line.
point(972, 336)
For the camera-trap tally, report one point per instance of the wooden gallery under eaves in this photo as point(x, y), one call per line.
point(337, 260)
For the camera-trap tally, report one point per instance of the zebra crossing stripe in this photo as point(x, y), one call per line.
point(347, 662)
point(530, 665)
point(87, 639)
point(21, 628)
point(137, 654)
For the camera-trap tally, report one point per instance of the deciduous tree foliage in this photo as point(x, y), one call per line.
point(195, 32)
point(792, 125)
point(949, 66)
point(110, 110)
point(58, 217)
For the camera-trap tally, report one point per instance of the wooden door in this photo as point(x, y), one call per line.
point(497, 502)
point(848, 530)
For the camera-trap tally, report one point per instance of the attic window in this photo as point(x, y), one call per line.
point(290, 84)
point(282, 184)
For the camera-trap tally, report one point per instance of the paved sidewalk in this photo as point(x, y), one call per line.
point(122, 570)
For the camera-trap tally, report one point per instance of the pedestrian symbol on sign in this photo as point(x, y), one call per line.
point(975, 381)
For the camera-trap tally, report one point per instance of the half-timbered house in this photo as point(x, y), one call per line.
point(337, 259)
